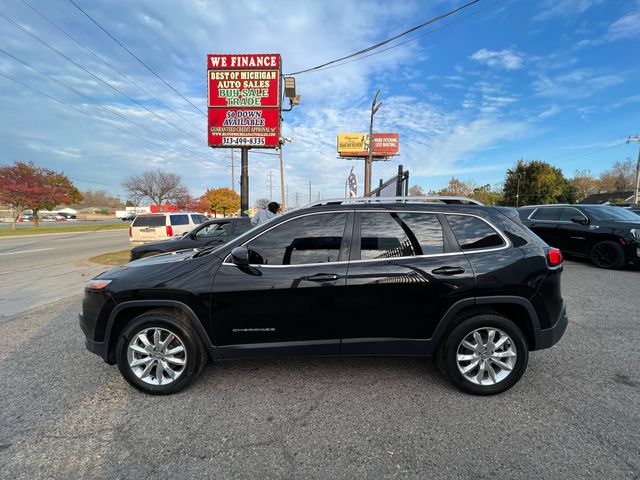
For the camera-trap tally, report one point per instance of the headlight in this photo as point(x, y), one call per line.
point(97, 284)
point(636, 233)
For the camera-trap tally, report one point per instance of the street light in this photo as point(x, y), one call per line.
point(290, 93)
point(368, 162)
point(282, 141)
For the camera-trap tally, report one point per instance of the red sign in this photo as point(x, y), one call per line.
point(244, 100)
point(239, 127)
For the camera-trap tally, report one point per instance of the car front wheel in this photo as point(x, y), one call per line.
point(159, 353)
point(485, 354)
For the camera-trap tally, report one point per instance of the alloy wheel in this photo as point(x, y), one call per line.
point(605, 255)
point(486, 356)
point(157, 356)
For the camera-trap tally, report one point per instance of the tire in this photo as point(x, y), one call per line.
point(513, 355)
point(608, 255)
point(178, 363)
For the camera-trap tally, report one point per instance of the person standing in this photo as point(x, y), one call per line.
point(265, 214)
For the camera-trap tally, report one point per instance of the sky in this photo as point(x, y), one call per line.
point(552, 80)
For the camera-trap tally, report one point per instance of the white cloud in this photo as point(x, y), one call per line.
point(550, 112)
point(507, 59)
point(564, 8)
point(625, 27)
point(579, 83)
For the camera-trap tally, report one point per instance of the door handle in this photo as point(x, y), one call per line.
point(448, 271)
point(322, 277)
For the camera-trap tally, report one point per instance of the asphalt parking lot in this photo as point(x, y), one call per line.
point(574, 414)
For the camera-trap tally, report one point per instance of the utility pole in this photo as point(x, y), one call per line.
point(297, 199)
point(636, 196)
point(287, 198)
point(369, 161)
point(244, 181)
point(309, 192)
point(270, 186)
point(233, 172)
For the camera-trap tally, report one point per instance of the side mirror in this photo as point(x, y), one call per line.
point(240, 256)
point(580, 220)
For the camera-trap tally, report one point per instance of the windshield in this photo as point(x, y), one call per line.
point(614, 214)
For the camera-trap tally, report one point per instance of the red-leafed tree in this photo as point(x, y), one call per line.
point(25, 185)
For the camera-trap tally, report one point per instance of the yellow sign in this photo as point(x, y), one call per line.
point(352, 143)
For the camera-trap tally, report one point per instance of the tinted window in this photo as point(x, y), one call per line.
point(548, 213)
point(197, 219)
point(397, 234)
point(179, 219)
point(616, 214)
point(242, 226)
point(214, 230)
point(569, 213)
point(309, 239)
point(524, 212)
point(473, 233)
point(149, 221)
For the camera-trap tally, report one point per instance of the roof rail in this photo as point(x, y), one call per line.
point(431, 198)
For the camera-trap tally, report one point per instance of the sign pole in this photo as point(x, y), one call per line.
point(244, 181)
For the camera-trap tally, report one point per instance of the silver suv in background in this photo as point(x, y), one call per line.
point(160, 226)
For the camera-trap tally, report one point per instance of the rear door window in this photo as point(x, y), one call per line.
point(197, 219)
point(180, 219)
point(214, 230)
point(473, 233)
point(549, 214)
point(569, 213)
point(399, 234)
point(149, 221)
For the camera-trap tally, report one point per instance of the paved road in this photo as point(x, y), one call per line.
point(38, 269)
point(575, 413)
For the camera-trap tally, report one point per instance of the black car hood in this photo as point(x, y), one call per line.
point(169, 241)
point(156, 270)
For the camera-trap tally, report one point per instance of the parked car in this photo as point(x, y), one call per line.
point(68, 216)
point(160, 226)
point(609, 235)
point(468, 284)
point(211, 233)
point(128, 218)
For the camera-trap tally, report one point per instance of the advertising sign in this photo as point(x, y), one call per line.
point(244, 100)
point(357, 144)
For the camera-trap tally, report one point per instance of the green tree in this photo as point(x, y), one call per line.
point(487, 195)
point(540, 183)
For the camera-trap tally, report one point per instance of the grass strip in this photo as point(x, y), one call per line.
point(7, 232)
point(113, 258)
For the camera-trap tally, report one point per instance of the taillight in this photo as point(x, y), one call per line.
point(554, 257)
point(130, 232)
point(169, 231)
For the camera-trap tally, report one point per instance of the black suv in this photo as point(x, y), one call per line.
point(466, 283)
point(609, 235)
point(212, 233)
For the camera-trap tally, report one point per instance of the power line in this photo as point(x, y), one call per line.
point(384, 42)
point(413, 39)
point(138, 59)
point(48, 45)
point(593, 152)
point(66, 105)
point(103, 60)
point(104, 107)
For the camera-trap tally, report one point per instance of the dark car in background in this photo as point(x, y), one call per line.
point(467, 284)
point(608, 235)
point(211, 233)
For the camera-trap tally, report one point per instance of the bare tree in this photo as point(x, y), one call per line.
point(159, 187)
point(619, 177)
point(262, 203)
point(416, 191)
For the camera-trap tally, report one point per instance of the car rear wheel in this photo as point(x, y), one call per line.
point(485, 354)
point(159, 353)
point(607, 255)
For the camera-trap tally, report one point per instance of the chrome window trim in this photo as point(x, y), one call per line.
point(505, 239)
